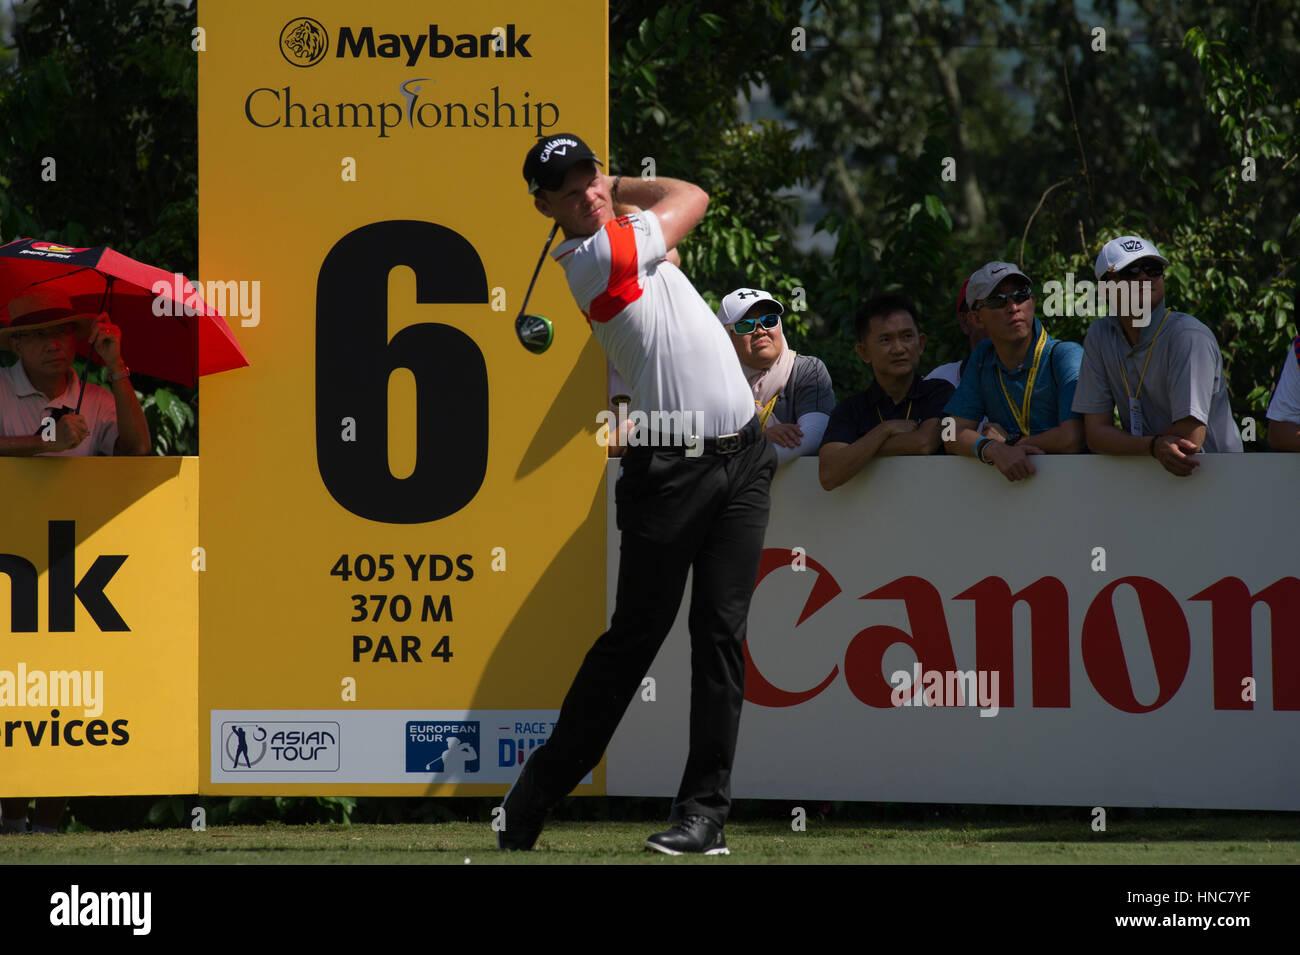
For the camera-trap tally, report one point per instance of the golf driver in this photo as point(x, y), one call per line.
point(535, 331)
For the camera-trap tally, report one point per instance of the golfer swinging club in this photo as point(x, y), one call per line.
point(696, 501)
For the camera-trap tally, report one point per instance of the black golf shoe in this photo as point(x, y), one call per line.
point(692, 834)
point(525, 809)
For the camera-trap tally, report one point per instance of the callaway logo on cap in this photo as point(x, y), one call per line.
point(554, 146)
point(549, 160)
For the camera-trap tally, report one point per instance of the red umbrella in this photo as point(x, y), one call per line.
point(189, 339)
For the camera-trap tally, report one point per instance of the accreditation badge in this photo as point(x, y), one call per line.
point(1134, 416)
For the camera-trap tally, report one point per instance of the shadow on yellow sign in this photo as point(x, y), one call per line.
point(99, 668)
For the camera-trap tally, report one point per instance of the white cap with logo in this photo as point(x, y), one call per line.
point(1127, 249)
point(738, 303)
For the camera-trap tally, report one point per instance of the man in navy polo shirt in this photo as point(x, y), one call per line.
point(899, 412)
point(1020, 378)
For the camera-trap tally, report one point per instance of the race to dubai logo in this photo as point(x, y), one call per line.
point(304, 42)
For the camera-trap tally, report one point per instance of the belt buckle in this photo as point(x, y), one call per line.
point(728, 443)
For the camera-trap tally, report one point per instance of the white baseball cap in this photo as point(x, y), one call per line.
point(738, 303)
point(986, 278)
point(1119, 253)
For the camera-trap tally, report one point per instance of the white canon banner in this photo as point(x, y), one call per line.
point(1101, 634)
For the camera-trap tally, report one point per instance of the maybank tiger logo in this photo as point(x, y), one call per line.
point(304, 42)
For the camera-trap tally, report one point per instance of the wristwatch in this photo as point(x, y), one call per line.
point(124, 373)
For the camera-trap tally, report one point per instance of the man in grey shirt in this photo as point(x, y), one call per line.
point(1162, 370)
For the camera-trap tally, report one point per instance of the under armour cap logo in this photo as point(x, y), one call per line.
point(1132, 245)
point(748, 293)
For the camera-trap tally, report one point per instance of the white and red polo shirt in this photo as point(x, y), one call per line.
point(661, 336)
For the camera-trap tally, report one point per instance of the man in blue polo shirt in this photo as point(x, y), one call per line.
point(1020, 377)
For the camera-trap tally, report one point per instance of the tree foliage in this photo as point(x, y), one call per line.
point(1058, 146)
point(676, 73)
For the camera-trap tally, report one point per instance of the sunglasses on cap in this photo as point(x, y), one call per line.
point(747, 326)
point(1151, 269)
point(1000, 301)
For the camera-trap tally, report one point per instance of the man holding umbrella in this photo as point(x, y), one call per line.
point(45, 408)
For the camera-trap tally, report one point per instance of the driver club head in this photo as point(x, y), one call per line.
point(535, 332)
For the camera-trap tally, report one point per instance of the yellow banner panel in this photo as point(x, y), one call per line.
point(403, 509)
point(99, 600)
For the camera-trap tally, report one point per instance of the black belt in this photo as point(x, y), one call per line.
point(722, 444)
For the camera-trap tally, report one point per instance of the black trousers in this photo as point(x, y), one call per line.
point(707, 514)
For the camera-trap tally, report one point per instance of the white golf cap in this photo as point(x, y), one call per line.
point(738, 303)
point(1127, 249)
point(986, 278)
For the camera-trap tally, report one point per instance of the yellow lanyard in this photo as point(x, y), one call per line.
point(1150, 351)
point(906, 417)
point(1022, 418)
point(765, 411)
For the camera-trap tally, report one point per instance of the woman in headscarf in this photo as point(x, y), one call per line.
point(792, 392)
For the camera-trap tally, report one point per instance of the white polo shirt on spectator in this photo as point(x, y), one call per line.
point(22, 408)
point(661, 336)
point(1285, 405)
point(1184, 377)
point(950, 373)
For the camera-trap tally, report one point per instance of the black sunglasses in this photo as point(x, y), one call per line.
point(747, 326)
point(1000, 301)
point(1152, 270)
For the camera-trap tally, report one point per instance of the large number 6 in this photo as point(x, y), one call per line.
point(354, 360)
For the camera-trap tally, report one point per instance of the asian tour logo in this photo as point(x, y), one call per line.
point(447, 747)
point(304, 41)
point(279, 747)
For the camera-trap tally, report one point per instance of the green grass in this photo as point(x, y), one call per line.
point(1256, 839)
